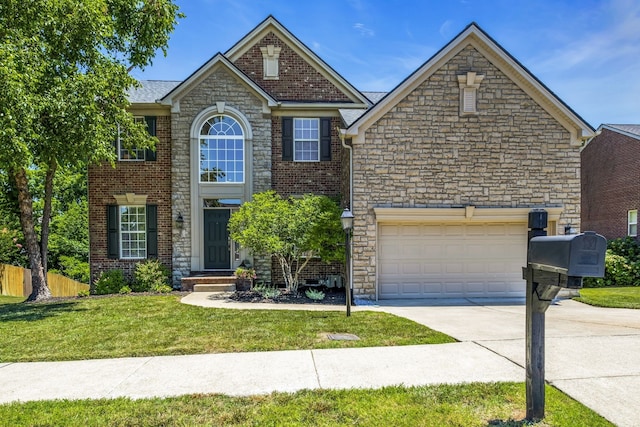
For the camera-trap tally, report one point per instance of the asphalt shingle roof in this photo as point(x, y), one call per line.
point(151, 91)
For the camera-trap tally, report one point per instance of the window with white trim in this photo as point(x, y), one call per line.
point(133, 232)
point(632, 222)
point(131, 154)
point(306, 140)
point(221, 150)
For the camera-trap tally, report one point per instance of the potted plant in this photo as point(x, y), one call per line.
point(244, 277)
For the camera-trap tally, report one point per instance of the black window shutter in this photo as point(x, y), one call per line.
point(152, 231)
point(325, 139)
point(150, 155)
point(287, 138)
point(113, 241)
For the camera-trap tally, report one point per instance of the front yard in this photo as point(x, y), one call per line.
point(501, 404)
point(122, 326)
point(627, 297)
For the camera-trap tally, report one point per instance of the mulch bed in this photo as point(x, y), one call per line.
point(333, 297)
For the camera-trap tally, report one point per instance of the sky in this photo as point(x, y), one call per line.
point(586, 51)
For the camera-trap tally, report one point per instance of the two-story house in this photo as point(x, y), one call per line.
point(440, 173)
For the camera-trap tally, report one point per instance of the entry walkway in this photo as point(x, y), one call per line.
point(591, 354)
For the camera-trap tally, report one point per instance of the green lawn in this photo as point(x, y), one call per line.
point(4, 299)
point(498, 404)
point(121, 326)
point(628, 297)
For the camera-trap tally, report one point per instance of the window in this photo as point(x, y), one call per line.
point(221, 150)
point(132, 231)
point(138, 154)
point(632, 221)
point(306, 140)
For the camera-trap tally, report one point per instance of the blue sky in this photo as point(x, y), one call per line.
point(586, 51)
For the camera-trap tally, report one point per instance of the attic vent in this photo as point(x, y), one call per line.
point(270, 55)
point(469, 84)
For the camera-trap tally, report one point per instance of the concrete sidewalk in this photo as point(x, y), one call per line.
point(592, 354)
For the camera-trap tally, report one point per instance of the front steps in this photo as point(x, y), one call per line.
point(203, 283)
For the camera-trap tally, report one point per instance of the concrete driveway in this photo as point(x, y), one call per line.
point(592, 354)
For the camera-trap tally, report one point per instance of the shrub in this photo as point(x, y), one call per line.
point(618, 271)
point(74, 269)
point(627, 247)
point(314, 294)
point(269, 292)
point(124, 290)
point(109, 282)
point(151, 276)
point(83, 293)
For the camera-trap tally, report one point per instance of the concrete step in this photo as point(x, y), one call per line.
point(214, 288)
point(189, 283)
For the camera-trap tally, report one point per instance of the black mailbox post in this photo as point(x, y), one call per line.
point(553, 262)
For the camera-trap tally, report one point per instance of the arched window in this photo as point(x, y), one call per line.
point(221, 150)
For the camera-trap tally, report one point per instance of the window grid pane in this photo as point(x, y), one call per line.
point(221, 150)
point(133, 154)
point(632, 221)
point(133, 235)
point(306, 140)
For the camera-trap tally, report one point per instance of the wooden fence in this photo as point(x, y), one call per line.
point(16, 281)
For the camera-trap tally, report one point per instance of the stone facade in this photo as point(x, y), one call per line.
point(423, 153)
point(219, 86)
point(610, 183)
point(150, 178)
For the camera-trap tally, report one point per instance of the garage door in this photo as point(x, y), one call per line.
point(451, 260)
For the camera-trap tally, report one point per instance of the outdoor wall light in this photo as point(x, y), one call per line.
point(180, 220)
point(568, 229)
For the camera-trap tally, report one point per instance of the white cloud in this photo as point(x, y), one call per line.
point(364, 31)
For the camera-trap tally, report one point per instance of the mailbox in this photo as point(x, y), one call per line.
point(574, 256)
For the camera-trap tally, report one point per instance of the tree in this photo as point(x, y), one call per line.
point(293, 230)
point(64, 73)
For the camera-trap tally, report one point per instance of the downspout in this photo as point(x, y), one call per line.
point(342, 132)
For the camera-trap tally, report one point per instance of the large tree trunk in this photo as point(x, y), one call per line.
point(46, 213)
point(38, 277)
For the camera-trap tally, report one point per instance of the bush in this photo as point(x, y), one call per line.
point(621, 264)
point(269, 292)
point(125, 290)
point(74, 269)
point(151, 276)
point(109, 282)
point(83, 293)
point(314, 294)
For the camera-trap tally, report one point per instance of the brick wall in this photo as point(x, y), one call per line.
point(142, 178)
point(610, 183)
point(298, 81)
point(423, 154)
point(291, 178)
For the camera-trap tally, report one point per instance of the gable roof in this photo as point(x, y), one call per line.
point(218, 60)
point(500, 58)
point(632, 131)
point(271, 24)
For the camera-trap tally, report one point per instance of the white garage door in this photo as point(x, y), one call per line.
point(451, 260)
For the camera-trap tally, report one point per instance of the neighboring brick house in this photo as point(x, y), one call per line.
point(440, 173)
point(611, 181)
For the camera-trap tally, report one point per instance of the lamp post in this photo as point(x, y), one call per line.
point(347, 225)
